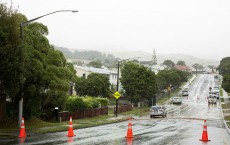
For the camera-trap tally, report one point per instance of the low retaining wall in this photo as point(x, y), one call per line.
point(123, 108)
point(65, 115)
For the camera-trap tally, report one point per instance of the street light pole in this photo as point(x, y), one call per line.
point(22, 25)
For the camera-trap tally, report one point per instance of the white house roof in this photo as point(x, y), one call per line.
point(95, 70)
point(158, 67)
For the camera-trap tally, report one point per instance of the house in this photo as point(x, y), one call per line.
point(157, 68)
point(183, 68)
point(83, 71)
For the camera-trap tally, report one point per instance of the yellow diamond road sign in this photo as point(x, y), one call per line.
point(117, 95)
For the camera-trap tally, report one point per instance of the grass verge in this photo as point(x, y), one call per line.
point(38, 126)
point(221, 92)
point(227, 118)
point(222, 99)
point(225, 106)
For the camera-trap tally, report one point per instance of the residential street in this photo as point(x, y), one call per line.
point(182, 126)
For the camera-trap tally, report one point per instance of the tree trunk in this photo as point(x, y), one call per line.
point(2, 109)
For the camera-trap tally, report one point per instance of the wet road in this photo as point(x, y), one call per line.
point(182, 126)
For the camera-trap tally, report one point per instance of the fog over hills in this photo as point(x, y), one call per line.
point(145, 56)
point(189, 59)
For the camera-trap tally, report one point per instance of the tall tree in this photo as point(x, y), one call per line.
point(11, 57)
point(138, 81)
point(169, 63)
point(180, 62)
point(43, 71)
point(94, 85)
point(96, 63)
point(224, 69)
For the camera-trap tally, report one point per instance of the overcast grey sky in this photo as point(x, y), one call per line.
point(196, 27)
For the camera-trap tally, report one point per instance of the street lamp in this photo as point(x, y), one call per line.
point(22, 25)
point(118, 70)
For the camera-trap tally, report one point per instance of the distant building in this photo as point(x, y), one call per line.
point(83, 71)
point(152, 64)
point(157, 68)
point(154, 58)
point(183, 68)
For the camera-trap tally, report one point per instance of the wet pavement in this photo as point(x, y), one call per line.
point(182, 126)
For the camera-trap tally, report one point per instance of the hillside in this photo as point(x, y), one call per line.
point(144, 56)
point(85, 54)
point(189, 60)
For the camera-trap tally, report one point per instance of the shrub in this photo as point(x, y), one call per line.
point(75, 103)
point(93, 103)
point(103, 101)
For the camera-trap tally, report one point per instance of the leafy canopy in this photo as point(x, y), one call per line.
point(138, 81)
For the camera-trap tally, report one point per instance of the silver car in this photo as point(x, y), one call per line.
point(158, 111)
point(216, 89)
point(176, 100)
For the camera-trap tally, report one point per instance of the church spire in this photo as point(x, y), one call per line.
point(154, 58)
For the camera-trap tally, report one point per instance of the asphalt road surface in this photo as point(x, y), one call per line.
point(182, 126)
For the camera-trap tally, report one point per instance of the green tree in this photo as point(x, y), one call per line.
point(11, 56)
point(180, 62)
point(169, 63)
point(226, 82)
point(138, 81)
point(224, 67)
point(81, 86)
point(172, 77)
point(96, 63)
point(95, 85)
point(41, 69)
point(197, 66)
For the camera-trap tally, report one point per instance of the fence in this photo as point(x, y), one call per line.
point(64, 115)
point(123, 108)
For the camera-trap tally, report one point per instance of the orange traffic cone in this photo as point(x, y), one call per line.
point(22, 129)
point(129, 131)
point(129, 141)
point(70, 129)
point(205, 133)
point(22, 140)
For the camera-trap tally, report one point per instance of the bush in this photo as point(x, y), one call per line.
point(92, 102)
point(103, 101)
point(75, 103)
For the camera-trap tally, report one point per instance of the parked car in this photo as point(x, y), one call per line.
point(216, 89)
point(157, 111)
point(176, 100)
point(212, 99)
point(216, 76)
point(185, 92)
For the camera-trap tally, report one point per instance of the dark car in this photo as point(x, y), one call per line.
point(157, 111)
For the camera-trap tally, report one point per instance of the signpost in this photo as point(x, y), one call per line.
point(117, 95)
point(169, 89)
